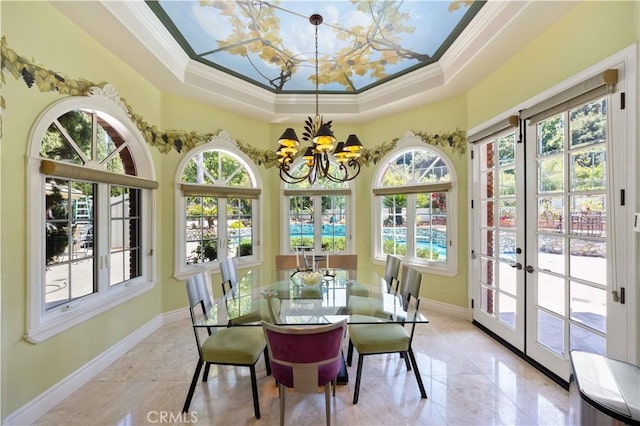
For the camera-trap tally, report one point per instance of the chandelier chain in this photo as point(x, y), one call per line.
point(317, 71)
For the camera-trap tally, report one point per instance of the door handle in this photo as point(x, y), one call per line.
point(529, 269)
point(518, 265)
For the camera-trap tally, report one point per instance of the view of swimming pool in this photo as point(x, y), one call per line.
point(305, 230)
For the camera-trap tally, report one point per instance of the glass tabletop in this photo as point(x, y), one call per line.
point(297, 297)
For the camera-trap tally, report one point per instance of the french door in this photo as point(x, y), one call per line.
point(543, 266)
point(497, 254)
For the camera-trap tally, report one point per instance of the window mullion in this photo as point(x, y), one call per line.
point(411, 226)
point(102, 235)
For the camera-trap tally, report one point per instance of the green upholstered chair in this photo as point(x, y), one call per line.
point(237, 346)
point(375, 339)
point(305, 358)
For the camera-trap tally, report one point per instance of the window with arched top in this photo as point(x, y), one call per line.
point(415, 201)
point(217, 206)
point(317, 216)
point(90, 180)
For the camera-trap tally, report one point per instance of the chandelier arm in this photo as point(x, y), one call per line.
point(289, 178)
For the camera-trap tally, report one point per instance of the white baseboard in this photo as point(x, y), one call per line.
point(48, 399)
point(445, 308)
point(175, 315)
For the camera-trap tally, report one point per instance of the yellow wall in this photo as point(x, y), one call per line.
point(590, 32)
point(587, 34)
point(36, 30)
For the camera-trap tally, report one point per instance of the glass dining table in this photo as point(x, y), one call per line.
point(361, 296)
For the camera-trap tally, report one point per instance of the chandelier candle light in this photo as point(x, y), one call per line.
point(317, 156)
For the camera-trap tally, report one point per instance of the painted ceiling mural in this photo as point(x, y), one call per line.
point(271, 44)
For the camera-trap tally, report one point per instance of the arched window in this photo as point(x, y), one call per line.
point(415, 201)
point(317, 217)
point(90, 179)
point(217, 206)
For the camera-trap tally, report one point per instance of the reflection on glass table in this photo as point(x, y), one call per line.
point(289, 300)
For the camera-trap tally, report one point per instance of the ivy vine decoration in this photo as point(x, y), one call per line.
point(375, 154)
point(51, 81)
point(456, 140)
point(262, 157)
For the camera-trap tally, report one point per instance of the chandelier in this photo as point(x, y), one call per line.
point(318, 157)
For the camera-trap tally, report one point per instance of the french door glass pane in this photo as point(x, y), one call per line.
point(588, 123)
point(487, 300)
point(507, 313)
point(550, 214)
point(588, 260)
point(486, 184)
point(582, 339)
point(487, 237)
point(588, 306)
point(588, 169)
point(588, 215)
point(507, 245)
point(488, 271)
point(508, 277)
point(551, 254)
point(551, 293)
point(551, 331)
point(550, 175)
point(551, 135)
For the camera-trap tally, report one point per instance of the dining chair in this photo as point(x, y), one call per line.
point(383, 338)
point(236, 346)
point(304, 358)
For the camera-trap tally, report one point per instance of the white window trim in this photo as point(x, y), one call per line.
point(222, 141)
point(411, 141)
point(42, 324)
point(312, 192)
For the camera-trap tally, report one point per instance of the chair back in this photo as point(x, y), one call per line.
point(341, 261)
point(198, 291)
point(409, 285)
point(228, 273)
point(304, 358)
point(392, 272)
point(289, 261)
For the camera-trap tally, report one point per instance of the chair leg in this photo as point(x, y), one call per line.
point(254, 390)
point(205, 375)
point(283, 392)
point(266, 361)
point(333, 383)
point(406, 360)
point(192, 388)
point(423, 393)
point(349, 353)
point(327, 403)
point(356, 391)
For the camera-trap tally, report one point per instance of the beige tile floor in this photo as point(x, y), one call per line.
point(470, 380)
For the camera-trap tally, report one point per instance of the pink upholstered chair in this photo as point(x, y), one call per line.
point(304, 358)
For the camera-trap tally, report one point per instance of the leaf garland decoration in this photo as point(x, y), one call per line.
point(51, 81)
point(181, 140)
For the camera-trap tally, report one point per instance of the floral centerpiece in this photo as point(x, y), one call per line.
point(311, 278)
